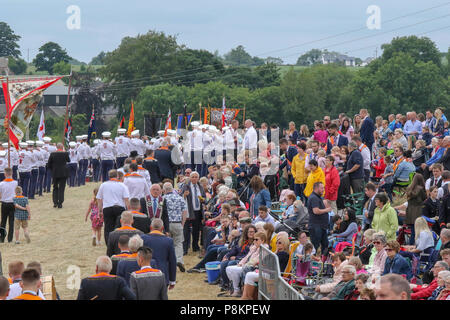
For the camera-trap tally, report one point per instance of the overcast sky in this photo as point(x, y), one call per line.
point(263, 27)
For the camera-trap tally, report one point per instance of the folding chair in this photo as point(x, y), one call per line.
point(401, 186)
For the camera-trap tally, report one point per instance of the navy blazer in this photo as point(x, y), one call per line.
point(343, 141)
point(366, 132)
point(163, 252)
point(106, 287)
point(126, 267)
point(165, 163)
point(397, 265)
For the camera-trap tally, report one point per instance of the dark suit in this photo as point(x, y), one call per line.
point(163, 253)
point(366, 132)
point(342, 141)
point(371, 211)
point(140, 221)
point(149, 284)
point(164, 157)
point(194, 219)
point(152, 165)
point(57, 163)
point(445, 159)
point(113, 239)
point(159, 212)
point(104, 287)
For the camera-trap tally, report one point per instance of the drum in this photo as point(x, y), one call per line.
point(48, 287)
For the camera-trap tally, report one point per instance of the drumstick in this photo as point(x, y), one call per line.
point(94, 297)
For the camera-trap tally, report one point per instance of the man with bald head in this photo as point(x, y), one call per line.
point(126, 222)
point(57, 164)
point(157, 207)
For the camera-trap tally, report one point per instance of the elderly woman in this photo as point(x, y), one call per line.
point(366, 250)
point(419, 153)
point(445, 293)
point(395, 263)
point(356, 262)
point(400, 138)
point(440, 284)
point(385, 218)
point(260, 196)
point(339, 261)
point(247, 264)
point(378, 258)
point(346, 286)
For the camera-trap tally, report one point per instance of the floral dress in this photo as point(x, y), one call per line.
point(97, 221)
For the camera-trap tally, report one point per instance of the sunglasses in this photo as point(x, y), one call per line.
point(376, 242)
point(389, 249)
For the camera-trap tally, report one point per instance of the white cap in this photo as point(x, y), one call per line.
point(2, 153)
point(161, 132)
point(96, 141)
point(72, 144)
point(153, 140)
point(212, 128)
point(23, 144)
point(106, 134)
point(5, 145)
point(78, 137)
point(121, 130)
point(84, 136)
point(195, 124)
point(135, 133)
point(40, 143)
point(30, 142)
point(47, 139)
point(171, 132)
point(203, 126)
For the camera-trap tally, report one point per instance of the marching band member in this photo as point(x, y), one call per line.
point(73, 164)
point(24, 168)
point(48, 173)
point(42, 156)
point(122, 143)
point(34, 169)
point(95, 162)
point(136, 143)
point(107, 153)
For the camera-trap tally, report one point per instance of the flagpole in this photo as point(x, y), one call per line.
point(67, 106)
point(9, 118)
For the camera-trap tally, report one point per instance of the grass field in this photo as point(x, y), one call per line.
point(60, 239)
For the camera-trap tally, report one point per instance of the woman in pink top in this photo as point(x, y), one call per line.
point(320, 134)
point(347, 129)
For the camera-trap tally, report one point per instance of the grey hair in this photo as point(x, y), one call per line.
point(379, 236)
point(194, 173)
point(167, 187)
point(135, 243)
point(369, 233)
point(157, 224)
point(350, 269)
point(443, 274)
point(352, 144)
point(127, 217)
point(104, 264)
point(443, 264)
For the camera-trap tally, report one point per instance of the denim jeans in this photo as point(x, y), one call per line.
point(298, 189)
point(223, 268)
point(319, 237)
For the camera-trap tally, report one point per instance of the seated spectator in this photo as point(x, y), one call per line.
point(395, 263)
point(423, 239)
point(264, 216)
point(360, 285)
point(431, 205)
point(445, 255)
point(435, 180)
point(419, 153)
point(393, 287)
point(367, 294)
point(290, 199)
point(127, 266)
point(440, 284)
point(405, 168)
point(338, 261)
point(378, 258)
point(356, 262)
point(350, 225)
point(445, 293)
point(345, 287)
point(366, 250)
point(425, 291)
point(282, 251)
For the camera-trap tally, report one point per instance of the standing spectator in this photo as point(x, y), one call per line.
point(332, 182)
point(112, 199)
point(103, 285)
point(347, 129)
point(298, 170)
point(21, 215)
point(152, 165)
point(57, 163)
point(365, 153)
point(367, 128)
point(157, 206)
point(7, 193)
point(335, 139)
point(316, 174)
point(148, 283)
point(137, 186)
point(393, 287)
point(355, 168)
point(292, 133)
point(177, 213)
point(385, 218)
point(415, 195)
point(369, 207)
point(438, 128)
point(260, 196)
point(318, 219)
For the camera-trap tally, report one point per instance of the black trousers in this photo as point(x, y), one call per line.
point(8, 214)
point(110, 215)
point(59, 185)
point(194, 226)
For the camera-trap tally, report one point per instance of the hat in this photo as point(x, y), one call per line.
point(135, 133)
point(203, 126)
point(30, 142)
point(72, 144)
point(2, 153)
point(23, 144)
point(121, 130)
point(47, 139)
point(5, 145)
point(96, 141)
point(39, 143)
point(161, 132)
point(78, 137)
point(106, 134)
point(84, 136)
point(153, 140)
point(211, 127)
point(171, 132)
point(195, 124)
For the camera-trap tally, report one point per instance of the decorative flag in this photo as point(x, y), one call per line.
point(205, 117)
point(22, 96)
point(41, 129)
point(68, 129)
point(122, 122)
point(168, 123)
point(131, 127)
point(92, 130)
point(183, 120)
point(224, 116)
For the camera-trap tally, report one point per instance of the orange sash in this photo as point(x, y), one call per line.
point(397, 163)
point(27, 296)
point(8, 180)
point(147, 269)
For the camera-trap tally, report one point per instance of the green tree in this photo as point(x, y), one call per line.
point(99, 59)
point(9, 46)
point(17, 65)
point(268, 75)
point(62, 68)
point(309, 58)
point(274, 60)
point(238, 56)
point(50, 54)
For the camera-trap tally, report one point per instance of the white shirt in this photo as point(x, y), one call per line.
point(428, 183)
point(137, 145)
point(73, 155)
point(365, 152)
point(113, 193)
point(15, 290)
point(107, 150)
point(122, 146)
point(7, 191)
point(229, 138)
point(146, 175)
point(137, 186)
point(250, 139)
point(3, 163)
point(196, 140)
point(14, 156)
point(25, 160)
point(84, 151)
point(35, 155)
point(94, 152)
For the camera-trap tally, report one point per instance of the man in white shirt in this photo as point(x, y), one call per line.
point(107, 153)
point(95, 161)
point(84, 152)
point(195, 138)
point(365, 152)
point(136, 144)
point(137, 186)
point(73, 164)
point(25, 164)
point(113, 199)
point(231, 141)
point(48, 173)
point(122, 146)
point(250, 139)
point(42, 155)
point(7, 194)
point(435, 179)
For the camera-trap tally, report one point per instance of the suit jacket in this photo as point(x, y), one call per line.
point(113, 239)
point(166, 165)
point(152, 165)
point(149, 284)
point(118, 257)
point(163, 252)
point(126, 263)
point(104, 286)
point(187, 187)
point(366, 132)
point(159, 212)
point(445, 160)
point(343, 141)
point(57, 163)
point(140, 221)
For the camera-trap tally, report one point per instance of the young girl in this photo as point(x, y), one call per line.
point(321, 160)
point(97, 221)
point(21, 215)
point(387, 180)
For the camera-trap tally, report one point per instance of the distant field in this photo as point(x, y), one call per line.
point(31, 70)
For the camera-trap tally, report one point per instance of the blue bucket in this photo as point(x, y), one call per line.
point(212, 270)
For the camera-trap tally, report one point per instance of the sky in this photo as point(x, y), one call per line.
point(263, 27)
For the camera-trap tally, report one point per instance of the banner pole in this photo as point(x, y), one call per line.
point(67, 107)
point(9, 119)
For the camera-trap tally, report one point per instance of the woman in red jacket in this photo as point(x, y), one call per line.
point(332, 182)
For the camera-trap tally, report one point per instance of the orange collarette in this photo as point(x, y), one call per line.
point(102, 274)
point(147, 269)
point(27, 296)
point(157, 232)
point(8, 180)
point(126, 228)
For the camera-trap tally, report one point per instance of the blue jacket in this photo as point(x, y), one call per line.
point(437, 156)
point(163, 253)
point(397, 265)
point(403, 170)
point(262, 198)
point(343, 141)
point(366, 132)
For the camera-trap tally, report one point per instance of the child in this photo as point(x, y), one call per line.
point(21, 215)
point(367, 294)
point(321, 160)
point(335, 152)
point(290, 198)
point(379, 164)
point(308, 249)
point(426, 135)
point(97, 221)
point(387, 180)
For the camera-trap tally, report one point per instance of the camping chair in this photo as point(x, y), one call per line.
point(355, 201)
point(401, 186)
